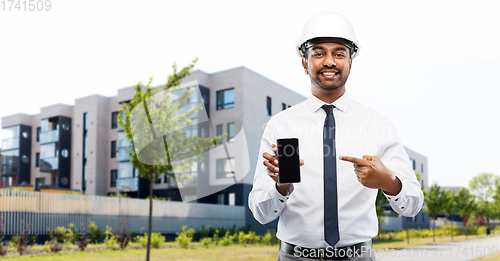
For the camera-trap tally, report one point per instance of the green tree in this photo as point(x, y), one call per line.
point(484, 186)
point(433, 204)
point(165, 111)
point(449, 205)
point(466, 205)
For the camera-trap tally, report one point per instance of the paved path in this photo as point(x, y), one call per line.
point(456, 251)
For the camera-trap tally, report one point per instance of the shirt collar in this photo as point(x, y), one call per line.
point(341, 103)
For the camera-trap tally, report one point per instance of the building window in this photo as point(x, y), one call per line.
point(412, 162)
point(113, 149)
point(283, 106)
point(269, 105)
point(422, 168)
point(114, 120)
point(114, 177)
point(38, 130)
point(84, 154)
point(38, 183)
point(225, 99)
point(158, 181)
point(220, 199)
point(232, 198)
point(224, 168)
point(37, 159)
point(230, 132)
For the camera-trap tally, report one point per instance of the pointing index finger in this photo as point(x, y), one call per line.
point(355, 160)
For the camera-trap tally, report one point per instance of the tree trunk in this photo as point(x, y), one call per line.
point(487, 225)
point(451, 218)
point(150, 221)
point(433, 228)
point(407, 232)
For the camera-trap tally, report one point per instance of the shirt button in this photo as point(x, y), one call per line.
point(388, 198)
point(396, 199)
point(282, 200)
point(276, 211)
point(402, 207)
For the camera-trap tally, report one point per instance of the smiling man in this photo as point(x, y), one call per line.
point(348, 152)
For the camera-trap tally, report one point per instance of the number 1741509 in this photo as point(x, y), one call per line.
point(25, 5)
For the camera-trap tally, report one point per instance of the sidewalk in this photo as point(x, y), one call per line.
point(456, 251)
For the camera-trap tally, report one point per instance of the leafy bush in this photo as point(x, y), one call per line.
point(60, 234)
point(110, 239)
point(248, 238)
point(95, 232)
point(124, 236)
point(206, 242)
point(184, 237)
point(3, 249)
point(269, 239)
point(228, 239)
point(481, 230)
point(156, 240)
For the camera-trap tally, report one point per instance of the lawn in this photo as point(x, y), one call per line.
point(169, 252)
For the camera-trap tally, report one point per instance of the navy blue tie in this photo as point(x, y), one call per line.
point(331, 222)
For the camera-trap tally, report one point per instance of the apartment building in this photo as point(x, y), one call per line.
point(81, 147)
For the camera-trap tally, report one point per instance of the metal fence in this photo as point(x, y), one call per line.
point(42, 210)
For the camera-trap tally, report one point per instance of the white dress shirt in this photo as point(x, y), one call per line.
point(359, 131)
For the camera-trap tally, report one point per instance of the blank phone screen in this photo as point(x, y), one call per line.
point(288, 160)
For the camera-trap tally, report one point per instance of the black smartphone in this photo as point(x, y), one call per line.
point(288, 160)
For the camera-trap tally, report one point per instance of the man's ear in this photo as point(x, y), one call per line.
point(350, 63)
point(304, 64)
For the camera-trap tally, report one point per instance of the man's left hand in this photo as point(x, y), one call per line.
point(372, 173)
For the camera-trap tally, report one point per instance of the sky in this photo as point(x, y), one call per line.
point(432, 67)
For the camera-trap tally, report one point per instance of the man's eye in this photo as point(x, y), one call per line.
point(317, 54)
point(340, 55)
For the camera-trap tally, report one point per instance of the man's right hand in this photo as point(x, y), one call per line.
point(271, 162)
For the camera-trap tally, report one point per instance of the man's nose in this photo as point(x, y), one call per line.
point(329, 61)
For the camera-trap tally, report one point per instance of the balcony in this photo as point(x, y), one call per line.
point(49, 164)
point(9, 169)
point(123, 154)
point(49, 136)
point(127, 184)
point(12, 143)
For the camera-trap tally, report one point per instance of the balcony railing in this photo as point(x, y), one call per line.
point(123, 154)
point(9, 169)
point(127, 184)
point(12, 143)
point(49, 136)
point(49, 164)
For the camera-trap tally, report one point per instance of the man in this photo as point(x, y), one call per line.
point(348, 151)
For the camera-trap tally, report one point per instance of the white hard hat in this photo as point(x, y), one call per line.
point(325, 26)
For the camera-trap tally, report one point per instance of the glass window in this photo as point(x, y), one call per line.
point(283, 106)
point(158, 181)
point(49, 150)
point(38, 130)
point(269, 104)
point(25, 134)
point(230, 131)
point(225, 99)
point(412, 162)
point(220, 199)
point(223, 168)
point(422, 168)
point(114, 177)
point(220, 129)
point(38, 183)
point(85, 121)
point(114, 120)
point(126, 170)
point(113, 149)
point(37, 159)
point(64, 153)
point(232, 199)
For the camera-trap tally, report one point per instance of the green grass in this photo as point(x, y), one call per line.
point(194, 252)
